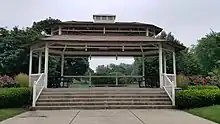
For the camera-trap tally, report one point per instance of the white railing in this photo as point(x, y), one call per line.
point(34, 77)
point(169, 86)
point(38, 86)
point(172, 78)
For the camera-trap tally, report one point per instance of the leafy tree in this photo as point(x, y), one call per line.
point(15, 59)
point(207, 51)
point(187, 62)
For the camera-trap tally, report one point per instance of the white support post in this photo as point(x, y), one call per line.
point(147, 32)
point(39, 62)
point(143, 70)
point(90, 79)
point(60, 31)
point(116, 79)
point(62, 68)
point(160, 65)
point(174, 67)
point(46, 65)
point(30, 66)
point(165, 63)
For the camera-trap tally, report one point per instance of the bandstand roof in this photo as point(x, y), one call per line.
point(87, 45)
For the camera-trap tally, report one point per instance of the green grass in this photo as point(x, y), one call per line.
point(7, 113)
point(211, 113)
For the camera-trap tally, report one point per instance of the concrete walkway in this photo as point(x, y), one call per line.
point(106, 117)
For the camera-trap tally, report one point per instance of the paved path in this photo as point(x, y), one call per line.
point(106, 117)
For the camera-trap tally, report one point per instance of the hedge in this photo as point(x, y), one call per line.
point(201, 87)
point(15, 97)
point(186, 99)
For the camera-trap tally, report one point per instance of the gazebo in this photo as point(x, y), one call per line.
point(103, 37)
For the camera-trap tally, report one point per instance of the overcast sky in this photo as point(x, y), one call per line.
point(188, 20)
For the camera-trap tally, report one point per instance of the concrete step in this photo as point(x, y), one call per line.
point(92, 107)
point(96, 89)
point(106, 96)
point(102, 92)
point(100, 99)
point(104, 103)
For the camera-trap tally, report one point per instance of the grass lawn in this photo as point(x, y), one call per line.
point(211, 113)
point(7, 113)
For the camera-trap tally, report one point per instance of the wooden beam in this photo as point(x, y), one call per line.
point(103, 53)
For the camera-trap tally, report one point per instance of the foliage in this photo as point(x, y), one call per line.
point(113, 70)
point(214, 77)
point(123, 68)
point(201, 87)
point(211, 113)
point(10, 112)
point(14, 97)
point(6, 81)
point(22, 79)
point(197, 98)
point(182, 81)
point(109, 81)
point(14, 55)
point(207, 52)
point(198, 80)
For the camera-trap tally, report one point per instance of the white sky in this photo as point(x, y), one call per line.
point(188, 20)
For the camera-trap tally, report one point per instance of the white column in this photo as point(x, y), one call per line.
point(62, 69)
point(46, 65)
point(62, 64)
point(116, 79)
point(160, 65)
point(90, 79)
point(59, 31)
point(174, 67)
point(30, 66)
point(143, 70)
point(165, 63)
point(39, 62)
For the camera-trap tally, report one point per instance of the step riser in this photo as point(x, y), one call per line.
point(101, 93)
point(103, 90)
point(103, 107)
point(120, 103)
point(91, 100)
point(148, 96)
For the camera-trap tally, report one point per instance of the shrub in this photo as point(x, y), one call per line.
point(14, 97)
point(22, 79)
point(198, 80)
point(182, 81)
point(186, 99)
point(214, 77)
point(6, 81)
point(201, 87)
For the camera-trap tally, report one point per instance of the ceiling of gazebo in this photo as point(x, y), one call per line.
point(84, 45)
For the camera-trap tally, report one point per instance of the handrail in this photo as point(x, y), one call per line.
point(97, 76)
point(38, 87)
point(171, 93)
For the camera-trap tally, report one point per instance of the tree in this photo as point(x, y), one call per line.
point(15, 59)
point(207, 51)
point(186, 62)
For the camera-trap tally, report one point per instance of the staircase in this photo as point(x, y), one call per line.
point(103, 98)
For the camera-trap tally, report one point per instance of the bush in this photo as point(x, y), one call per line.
point(15, 97)
point(214, 77)
point(182, 81)
point(6, 81)
point(201, 87)
point(198, 80)
point(186, 99)
point(22, 79)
